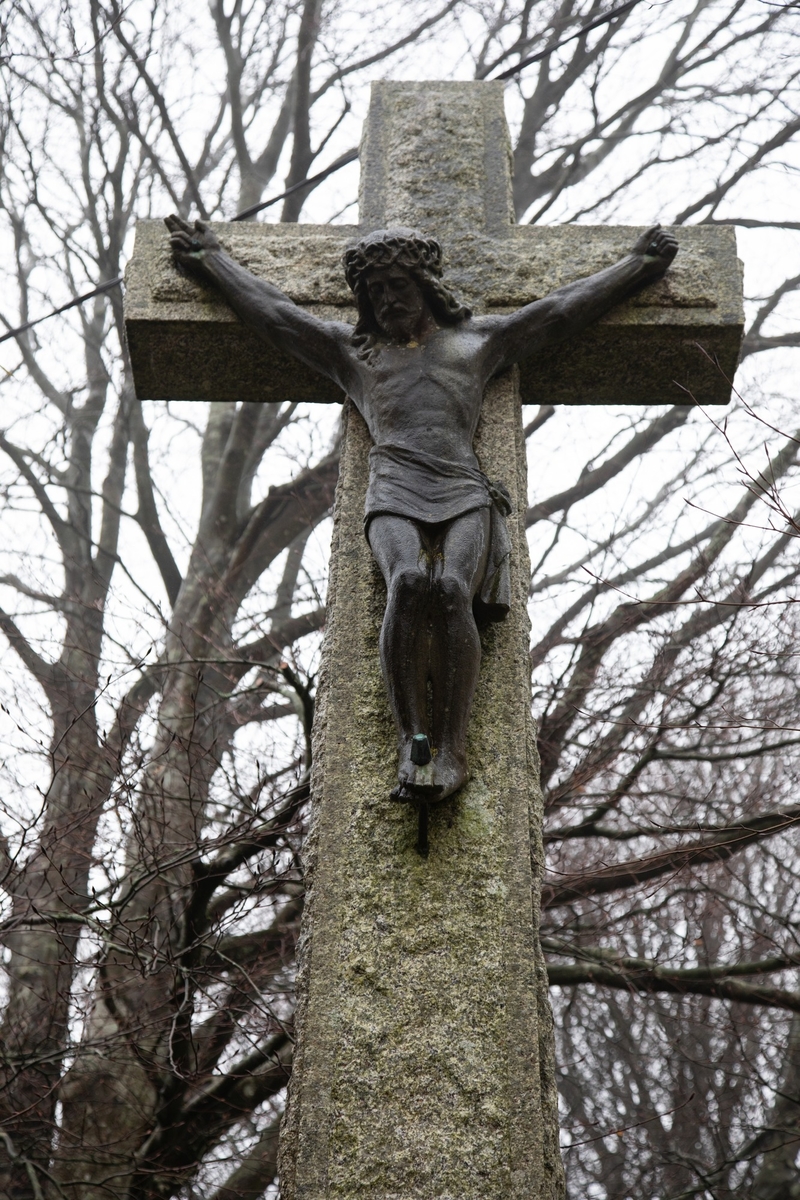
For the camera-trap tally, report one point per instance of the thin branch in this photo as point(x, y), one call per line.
point(257, 1170)
point(160, 103)
point(641, 975)
point(147, 516)
point(591, 481)
point(727, 842)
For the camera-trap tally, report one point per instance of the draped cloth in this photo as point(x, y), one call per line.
point(432, 490)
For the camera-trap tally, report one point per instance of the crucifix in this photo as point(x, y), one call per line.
point(424, 1061)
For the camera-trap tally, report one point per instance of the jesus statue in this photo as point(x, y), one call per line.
point(416, 365)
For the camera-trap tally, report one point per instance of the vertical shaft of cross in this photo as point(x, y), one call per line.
point(436, 156)
point(424, 1059)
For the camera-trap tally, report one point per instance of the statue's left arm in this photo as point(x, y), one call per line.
point(573, 307)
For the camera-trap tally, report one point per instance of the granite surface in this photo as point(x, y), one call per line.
point(186, 344)
point(424, 1064)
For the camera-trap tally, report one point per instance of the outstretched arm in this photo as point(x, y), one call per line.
point(573, 307)
point(322, 345)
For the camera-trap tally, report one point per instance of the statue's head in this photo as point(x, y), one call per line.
point(394, 274)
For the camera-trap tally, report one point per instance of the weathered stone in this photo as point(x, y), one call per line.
point(186, 344)
point(424, 1062)
point(184, 341)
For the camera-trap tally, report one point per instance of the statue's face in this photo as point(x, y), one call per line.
point(397, 300)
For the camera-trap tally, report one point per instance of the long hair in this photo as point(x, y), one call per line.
point(420, 256)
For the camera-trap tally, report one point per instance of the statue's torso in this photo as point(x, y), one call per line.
point(425, 397)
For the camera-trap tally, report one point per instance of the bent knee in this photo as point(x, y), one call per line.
point(409, 581)
point(455, 593)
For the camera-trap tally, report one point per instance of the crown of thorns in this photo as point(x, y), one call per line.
point(390, 247)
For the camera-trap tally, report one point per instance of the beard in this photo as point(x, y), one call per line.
point(399, 326)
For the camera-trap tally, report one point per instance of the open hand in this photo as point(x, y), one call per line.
point(190, 243)
point(657, 248)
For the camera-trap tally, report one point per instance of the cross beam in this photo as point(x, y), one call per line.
point(658, 348)
point(424, 1063)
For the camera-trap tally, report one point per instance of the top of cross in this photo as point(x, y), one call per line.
point(437, 156)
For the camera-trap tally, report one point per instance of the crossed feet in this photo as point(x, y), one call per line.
point(425, 774)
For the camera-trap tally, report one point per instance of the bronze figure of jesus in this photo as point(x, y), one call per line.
point(416, 365)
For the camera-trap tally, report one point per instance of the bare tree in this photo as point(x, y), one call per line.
point(165, 633)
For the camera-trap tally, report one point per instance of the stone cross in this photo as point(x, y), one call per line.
point(424, 1064)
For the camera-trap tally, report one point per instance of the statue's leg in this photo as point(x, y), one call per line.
point(455, 644)
point(399, 550)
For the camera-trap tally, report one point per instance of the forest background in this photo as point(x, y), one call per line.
point(162, 586)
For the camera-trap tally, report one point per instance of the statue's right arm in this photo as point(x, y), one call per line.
point(322, 345)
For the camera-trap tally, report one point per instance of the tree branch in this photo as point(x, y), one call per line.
point(639, 444)
point(160, 104)
point(722, 846)
point(147, 517)
point(597, 640)
point(276, 521)
point(713, 197)
point(257, 1170)
point(642, 975)
point(44, 672)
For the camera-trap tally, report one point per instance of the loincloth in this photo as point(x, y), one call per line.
point(422, 487)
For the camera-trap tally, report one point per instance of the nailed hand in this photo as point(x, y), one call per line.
point(190, 243)
point(657, 247)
